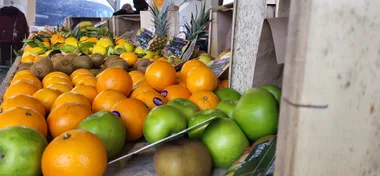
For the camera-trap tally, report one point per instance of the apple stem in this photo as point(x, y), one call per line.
point(2, 156)
point(66, 136)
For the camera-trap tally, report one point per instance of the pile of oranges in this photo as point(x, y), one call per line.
point(57, 104)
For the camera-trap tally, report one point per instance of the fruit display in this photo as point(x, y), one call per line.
point(80, 96)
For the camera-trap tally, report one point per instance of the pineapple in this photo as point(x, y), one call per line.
point(161, 28)
point(196, 29)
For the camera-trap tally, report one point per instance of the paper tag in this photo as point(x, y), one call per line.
point(186, 56)
point(220, 65)
point(175, 47)
point(143, 37)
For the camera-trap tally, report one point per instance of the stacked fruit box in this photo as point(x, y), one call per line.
point(74, 101)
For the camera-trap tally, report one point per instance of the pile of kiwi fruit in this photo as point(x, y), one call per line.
point(68, 63)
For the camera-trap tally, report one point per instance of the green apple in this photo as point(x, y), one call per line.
point(227, 94)
point(108, 128)
point(276, 91)
point(225, 141)
point(21, 151)
point(163, 121)
point(129, 47)
point(257, 113)
point(200, 117)
point(227, 106)
point(205, 59)
point(187, 107)
point(148, 54)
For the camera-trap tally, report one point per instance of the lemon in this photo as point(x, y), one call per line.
point(99, 49)
point(46, 44)
point(139, 50)
point(118, 46)
point(121, 41)
point(71, 41)
point(27, 53)
point(104, 42)
point(36, 49)
point(148, 54)
point(46, 53)
point(84, 38)
point(129, 47)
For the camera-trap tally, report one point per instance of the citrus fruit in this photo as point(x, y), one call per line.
point(92, 39)
point(71, 41)
point(23, 72)
point(204, 100)
point(121, 41)
point(137, 78)
point(24, 101)
point(88, 91)
point(79, 72)
point(47, 97)
point(224, 83)
point(187, 66)
point(175, 91)
point(160, 75)
point(152, 99)
point(20, 87)
point(28, 78)
point(115, 79)
point(90, 81)
point(201, 79)
point(106, 99)
point(132, 112)
point(140, 83)
point(23, 116)
point(227, 94)
point(52, 80)
point(129, 47)
point(71, 97)
point(63, 87)
point(81, 77)
point(141, 89)
point(103, 43)
point(129, 57)
point(135, 72)
point(275, 90)
point(66, 117)
point(56, 74)
point(27, 59)
point(108, 128)
point(75, 152)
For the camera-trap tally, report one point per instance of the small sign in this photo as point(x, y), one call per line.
point(220, 65)
point(143, 37)
point(257, 160)
point(175, 47)
point(186, 56)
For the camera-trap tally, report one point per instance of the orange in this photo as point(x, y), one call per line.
point(23, 116)
point(57, 39)
point(141, 83)
point(27, 59)
point(121, 41)
point(87, 81)
point(71, 97)
point(160, 75)
point(137, 78)
point(224, 83)
point(92, 39)
point(27, 48)
point(66, 117)
point(25, 101)
point(88, 91)
point(56, 74)
point(129, 57)
point(135, 72)
point(75, 152)
point(81, 77)
point(204, 100)
point(79, 72)
point(63, 87)
point(116, 79)
point(20, 87)
point(106, 99)
point(132, 113)
point(21, 73)
point(201, 79)
point(175, 91)
point(141, 89)
point(187, 67)
point(52, 80)
point(28, 78)
point(152, 99)
point(46, 44)
point(47, 97)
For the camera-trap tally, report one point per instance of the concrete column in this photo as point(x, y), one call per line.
point(247, 23)
point(330, 109)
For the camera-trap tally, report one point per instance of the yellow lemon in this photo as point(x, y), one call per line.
point(104, 42)
point(139, 50)
point(84, 38)
point(149, 54)
point(129, 47)
point(71, 41)
point(92, 39)
point(46, 44)
point(36, 49)
point(29, 53)
point(118, 46)
point(99, 49)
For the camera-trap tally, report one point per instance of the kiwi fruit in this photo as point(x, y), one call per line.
point(71, 56)
point(97, 60)
point(56, 58)
point(82, 62)
point(64, 65)
point(28, 65)
point(95, 71)
point(23, 68)
point(138, 62)
point(54, 52)
point(144, 65)
point(109, 59)
point(42, 67)
point(118, 63)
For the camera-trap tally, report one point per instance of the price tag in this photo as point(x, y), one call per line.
point(220, 65)
point(143, 37)
point(186, 56)
point(175, 47)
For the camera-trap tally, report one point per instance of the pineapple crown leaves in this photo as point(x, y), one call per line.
point(160, 20)
point(197, 25)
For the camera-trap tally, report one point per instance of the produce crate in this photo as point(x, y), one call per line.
point(124, 23)
point(71, 22)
